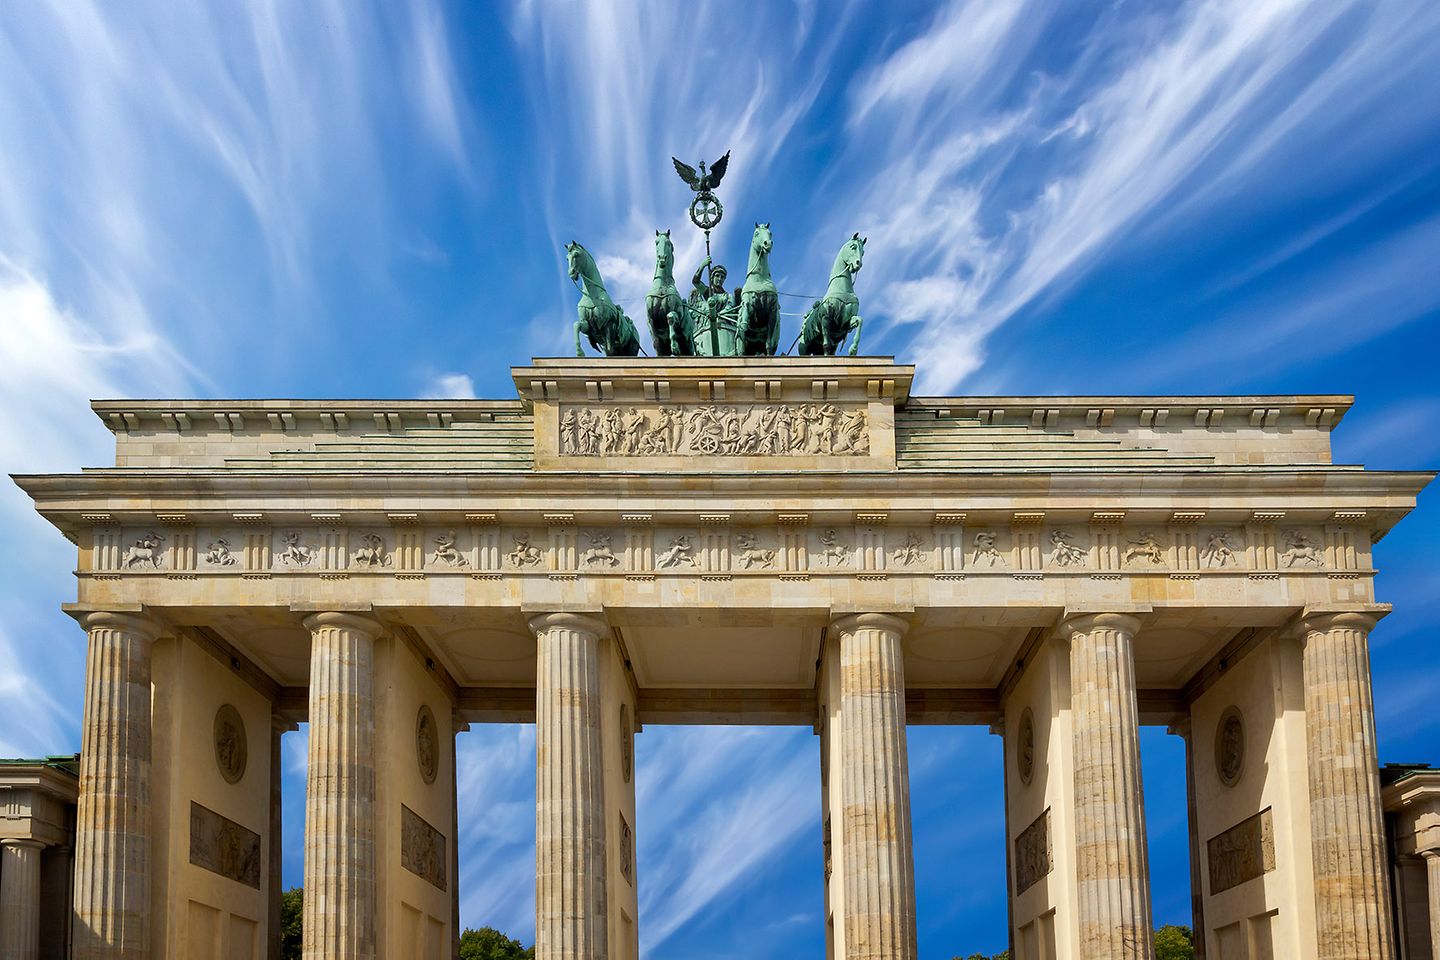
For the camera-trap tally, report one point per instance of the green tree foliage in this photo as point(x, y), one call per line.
point(1174, 943)
point(488, 943)
point(292, 915)
point(1002, 955)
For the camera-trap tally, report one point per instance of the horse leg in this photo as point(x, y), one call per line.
point(855, 344)
point(580, 327)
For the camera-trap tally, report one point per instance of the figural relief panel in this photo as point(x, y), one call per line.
point(222, 846)
point(1244, 852)
point(232, 751)
point(1032, 853)
point(422, 848)
point(715, 430)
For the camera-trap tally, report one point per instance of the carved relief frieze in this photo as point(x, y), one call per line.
point(1142, 551)
point(1242, 853)
point(427, 744)
point(422, 848)
point(446, 553)
point(680, 553)
point(986, 551)
point(913, 552)
point(149, 551)
point(1301, 550)
point(715, 430)
point(219, 554)
point(372, 552)
point(523, 554)
point(1065, 551)
point(1223, 549)
point(1032, 853)
point(222, 846)
point(294, 552)
point(750, 554)
point(834, 549)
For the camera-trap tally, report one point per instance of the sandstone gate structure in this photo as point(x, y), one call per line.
point(771, 541)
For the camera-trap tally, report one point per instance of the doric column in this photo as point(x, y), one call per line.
point(1110, 857)
point(20, 899)
point(570, 904)
point(340, 789)
point(878, 861)
point(457, 727)
point(112, 820)
point(1352, 895)
point(1432, 876)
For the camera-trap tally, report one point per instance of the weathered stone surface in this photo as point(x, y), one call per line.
point(875, 790)
point(112, 836)
point(1244, 852)
point(20, 899)
point(570, 895)
point(340, 789)
point(1111, 868)
point(1032, 853)
point(1352, 903)
point(222, 846)
point(422, 848)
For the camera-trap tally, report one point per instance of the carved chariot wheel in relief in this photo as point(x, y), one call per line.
point(706, 210)
point(1230, 746)
point(427, 745)
point(232, 751)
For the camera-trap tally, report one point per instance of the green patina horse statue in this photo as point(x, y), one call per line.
point(672, 329)
point(758, 331)
point(601, 320)
point(829, 321)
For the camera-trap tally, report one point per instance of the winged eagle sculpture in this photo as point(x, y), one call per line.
point(705, 181)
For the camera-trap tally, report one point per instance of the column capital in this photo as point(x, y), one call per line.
point(1075, 624)
point(1430, 856)
point(369, 626)
point(1320, 621)
point(850, 622)
point(136, 623)
point(592, 624)
point(24, 843)
point(1183, 728)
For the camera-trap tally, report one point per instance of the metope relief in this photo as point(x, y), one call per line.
point(1032, 853)
point(427, 744)
point(446, 552)
point(219, 554)
point(1222, 549)
point(372, 552)
point(148, 549)
point(1065, 552)
point(1144, 550)
point(715, 430)
point(834, 551)
point(1301, 550)
point(1230, 746)
point(913, 551)
point(680, 553)
point(524, 554)
point(749, 553)
point(600, 553)
point(986, 553)
point(294, 553)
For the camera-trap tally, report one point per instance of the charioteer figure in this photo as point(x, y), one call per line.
point(716, 311)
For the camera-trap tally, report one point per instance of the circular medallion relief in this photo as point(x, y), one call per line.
point(231, 749)
point(627, 743)
point(427, 744)
point(1230, 746)
point(1025, 747)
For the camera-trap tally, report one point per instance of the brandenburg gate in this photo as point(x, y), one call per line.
point(692, 540)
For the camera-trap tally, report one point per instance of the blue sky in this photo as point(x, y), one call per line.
point(346, 199)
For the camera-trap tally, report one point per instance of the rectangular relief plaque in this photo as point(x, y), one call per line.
point(627, 851)
point(1032, 853)
point(715, 430)
point(422, 848)
point(222, 846)
point(1244, 852)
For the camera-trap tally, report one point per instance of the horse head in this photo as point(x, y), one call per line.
point(852, 255)
point(761, 240)
point(664, 249)
point(573, 252)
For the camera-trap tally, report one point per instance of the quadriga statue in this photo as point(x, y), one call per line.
point(829, 321)
point(601, 320)
point(671, 326)
point(758, 332)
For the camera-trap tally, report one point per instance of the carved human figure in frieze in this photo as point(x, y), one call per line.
point(679, 552)
point(1146, 548)
point(1301, 549)
point(1065, 552)
point(145, 550)
point(446, 552)
point(985, 552)
point(852, 437)
point(295, 554)
point(750, 553)
point(570, 433)
point(219, 554)
point(634, 425)
point(599, 551)
point(833, 551)
point(524, 554)
point(912, 552)
point(372, 552)
point(1218, 551)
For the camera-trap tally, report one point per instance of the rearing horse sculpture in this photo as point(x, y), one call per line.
point(672, 329)
point(601, 320)
point(829, 321)
point(758, 331)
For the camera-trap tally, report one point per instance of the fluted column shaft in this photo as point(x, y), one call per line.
point(1432, 876)
point(1347, 835)
point(878, 860)
point(20, 899)
point(112, 819)
point(570, 898)
point(1110, 858)
point(340, 871)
